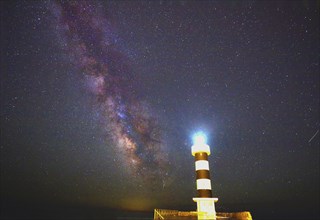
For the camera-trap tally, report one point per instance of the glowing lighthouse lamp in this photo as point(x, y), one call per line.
point(205, 203)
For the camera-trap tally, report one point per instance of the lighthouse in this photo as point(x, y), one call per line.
point(205, 203)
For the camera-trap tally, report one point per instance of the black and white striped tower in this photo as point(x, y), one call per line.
point(205, 202)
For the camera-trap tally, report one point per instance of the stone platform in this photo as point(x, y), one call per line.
point(165, 214)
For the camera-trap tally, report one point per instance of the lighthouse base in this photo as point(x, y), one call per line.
point(206, 208)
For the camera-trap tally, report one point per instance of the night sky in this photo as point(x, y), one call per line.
point(99, 102)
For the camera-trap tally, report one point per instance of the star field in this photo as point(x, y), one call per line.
point(99, 101)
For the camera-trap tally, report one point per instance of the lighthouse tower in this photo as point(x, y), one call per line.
point(205, 202)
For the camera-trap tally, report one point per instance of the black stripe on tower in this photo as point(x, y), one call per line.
point(203, 174)
point(201, 156)
point(204, 193)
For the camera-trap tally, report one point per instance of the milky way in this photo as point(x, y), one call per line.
point(92, 48)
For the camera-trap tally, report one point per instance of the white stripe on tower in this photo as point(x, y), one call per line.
point(203, 184)
point(202, 165)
